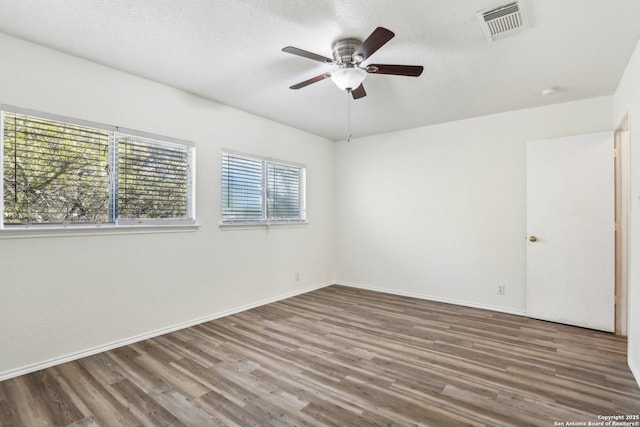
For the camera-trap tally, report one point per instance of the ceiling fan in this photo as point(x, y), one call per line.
point(348, 55)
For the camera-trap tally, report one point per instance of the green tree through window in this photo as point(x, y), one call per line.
point(152, 179)
point(56, 172)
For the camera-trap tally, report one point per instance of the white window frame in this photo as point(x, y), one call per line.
point(130, 225)
point(266, 221)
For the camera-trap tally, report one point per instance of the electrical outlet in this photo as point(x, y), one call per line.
point(500, 290)
point(297, 276)
point(320, 274)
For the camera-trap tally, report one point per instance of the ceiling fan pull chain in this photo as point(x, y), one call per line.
point(348, 116)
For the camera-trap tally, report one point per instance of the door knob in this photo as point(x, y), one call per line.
point(533, 239)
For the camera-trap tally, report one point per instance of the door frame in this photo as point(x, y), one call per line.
point(622, 200)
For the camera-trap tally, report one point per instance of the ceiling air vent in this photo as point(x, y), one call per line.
point(502, 21)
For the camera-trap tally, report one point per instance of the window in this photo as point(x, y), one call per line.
point(54, 172)
point(153, 179)
point(60, 171)
point(258, 190)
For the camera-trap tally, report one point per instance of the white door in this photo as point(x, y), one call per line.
point(570, 226)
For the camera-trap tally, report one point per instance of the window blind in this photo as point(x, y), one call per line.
point(54, 172)
point(153, 179)
point(260, 190)
point(283, 191)
point(242, 184)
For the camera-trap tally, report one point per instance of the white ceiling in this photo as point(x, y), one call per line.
point(230, 51)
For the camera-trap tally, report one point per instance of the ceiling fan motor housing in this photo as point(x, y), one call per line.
point(343, 51)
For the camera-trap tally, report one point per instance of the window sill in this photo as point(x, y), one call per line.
point(261, 225)
point(92, 230)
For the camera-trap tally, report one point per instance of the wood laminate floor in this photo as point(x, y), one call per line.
point(342, 357)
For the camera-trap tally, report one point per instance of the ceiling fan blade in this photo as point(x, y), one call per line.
point(309, 55)
point(358, 92)
point(375, 41)
point(396, 70)
point(310, 81)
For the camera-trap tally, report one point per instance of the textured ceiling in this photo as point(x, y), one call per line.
point(229, 51)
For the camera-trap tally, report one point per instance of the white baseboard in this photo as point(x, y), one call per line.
point(115, 344)
point(434, 298)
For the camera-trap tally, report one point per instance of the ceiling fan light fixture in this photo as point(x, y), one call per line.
point(348, 78)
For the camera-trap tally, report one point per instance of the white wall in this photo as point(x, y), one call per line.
point(627, 101)
point(439, 211)
point(64, 295)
